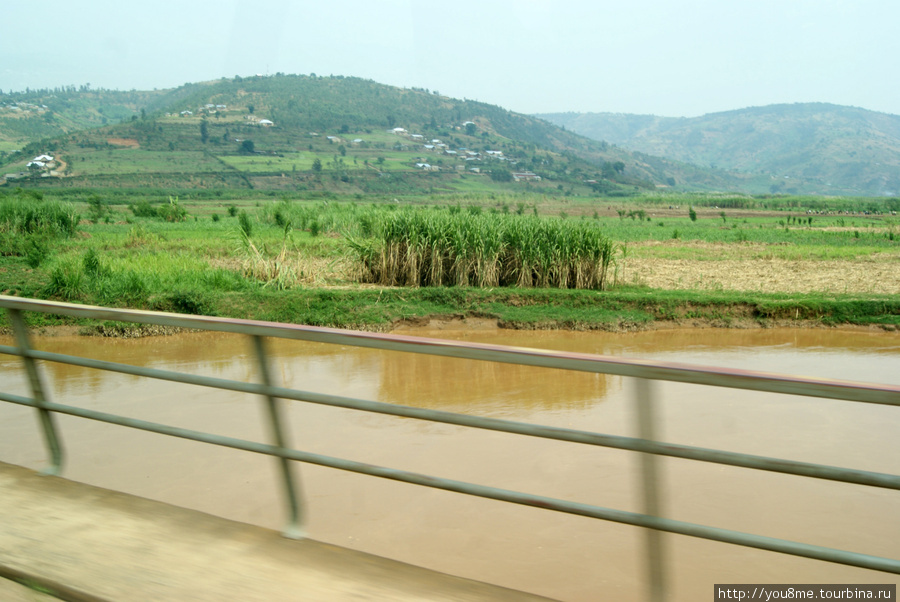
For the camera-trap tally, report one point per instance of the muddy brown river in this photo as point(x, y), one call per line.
point(565, 557)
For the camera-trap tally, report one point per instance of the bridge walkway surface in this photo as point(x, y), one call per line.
point(94, 544)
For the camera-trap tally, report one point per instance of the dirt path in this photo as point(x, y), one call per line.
point(60, 170)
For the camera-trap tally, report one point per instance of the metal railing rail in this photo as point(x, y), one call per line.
point(644, 371)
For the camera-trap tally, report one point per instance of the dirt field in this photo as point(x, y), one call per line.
point(880, 275)
point(126, 142)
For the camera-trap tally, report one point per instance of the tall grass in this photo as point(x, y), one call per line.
point(279, 271)
point(29, 226)
point(26, 215)
point(438, 248)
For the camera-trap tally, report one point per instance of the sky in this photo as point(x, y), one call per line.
point(674, 58)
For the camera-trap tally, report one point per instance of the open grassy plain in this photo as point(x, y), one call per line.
point(311, 260)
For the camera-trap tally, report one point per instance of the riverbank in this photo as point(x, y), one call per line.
point(620, 310)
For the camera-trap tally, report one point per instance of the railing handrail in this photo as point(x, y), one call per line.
point(689, 452)
point(645, 371)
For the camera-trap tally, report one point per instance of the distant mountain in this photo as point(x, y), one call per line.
point(809, 147)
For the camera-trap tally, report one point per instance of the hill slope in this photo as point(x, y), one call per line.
point(812, 147)
point(255, 131)
point(27, 117)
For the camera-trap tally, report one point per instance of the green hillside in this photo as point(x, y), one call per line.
point(298, 132)
point(794, 148)
point(34, 115)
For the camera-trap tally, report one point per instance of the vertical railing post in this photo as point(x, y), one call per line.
point(646, 422)
point(51, 438)
point(294, 528)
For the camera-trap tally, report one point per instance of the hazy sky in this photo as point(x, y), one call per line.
point(663, 57)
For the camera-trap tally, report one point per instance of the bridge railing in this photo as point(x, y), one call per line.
point(645, 373)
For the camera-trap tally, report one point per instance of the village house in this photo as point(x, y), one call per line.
point(526, 176)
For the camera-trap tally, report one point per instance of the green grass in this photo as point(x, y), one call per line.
point(136, 161)
point(260, 163)
point(554, 308)
point(201, 265)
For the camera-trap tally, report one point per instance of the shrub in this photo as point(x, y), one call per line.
point(66, 282)
point(37, 251)
point(190, 302)
point(172, 212)
point(143, 209)
point(245, 224)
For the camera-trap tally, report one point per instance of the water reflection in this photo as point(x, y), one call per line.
point(558, 556)
point(486, 388)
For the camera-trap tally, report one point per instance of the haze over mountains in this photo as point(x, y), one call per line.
point(807, 147)
point(796, 149)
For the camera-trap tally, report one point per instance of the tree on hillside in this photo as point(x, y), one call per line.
point(251, 109)
point(501, 175)
point(317, 165)
point(608, 171)
point(204, 131)
point(248, 147)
